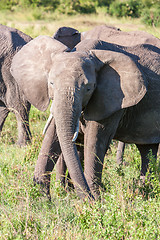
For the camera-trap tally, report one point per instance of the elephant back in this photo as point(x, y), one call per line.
point(12, 40)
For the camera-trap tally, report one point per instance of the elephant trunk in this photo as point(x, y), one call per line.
point(67, 111)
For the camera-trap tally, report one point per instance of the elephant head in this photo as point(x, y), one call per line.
point(71, 36)
point(68, 36)
point(79, 81)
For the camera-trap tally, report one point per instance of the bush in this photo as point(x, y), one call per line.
point(49, 4)
point(7, 4)
point(130, 8)
point(80, 6)
point(151, 16)
point(104, 2)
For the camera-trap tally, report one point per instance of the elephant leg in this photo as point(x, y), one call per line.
point(144, 150)
point(120, 152)
point(97, 140)
point(61, 169)
point(47, 158)
point(3, 114)
point(24, 134)
point(61, 174)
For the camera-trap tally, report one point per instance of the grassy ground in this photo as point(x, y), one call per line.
point(126, 209)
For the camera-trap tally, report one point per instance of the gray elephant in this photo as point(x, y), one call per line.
point(11, 97)
point(116, 87)
point(71, 37)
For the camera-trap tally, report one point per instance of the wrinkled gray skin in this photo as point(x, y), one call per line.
point(120, 101)
point(11, 97)
point(70, 37)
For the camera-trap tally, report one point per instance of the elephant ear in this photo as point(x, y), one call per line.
point(30, 68)
point(120, 84)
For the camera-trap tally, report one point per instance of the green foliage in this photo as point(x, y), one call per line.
point(123, 212)
point(148, 10)
point(131, 8)
point(151, 16)
point(7, 4)
point(80, 6)
point(104, 2)
point(47, 4)
point(150, 3)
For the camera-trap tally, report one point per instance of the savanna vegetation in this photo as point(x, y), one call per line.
point(148, 10)
point(126, 210)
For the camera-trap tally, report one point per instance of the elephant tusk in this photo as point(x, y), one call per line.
point(48, 123)
point(76, 133)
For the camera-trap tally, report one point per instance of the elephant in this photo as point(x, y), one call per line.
point(120, 153)
point(50, 154)
point(116, 87)
point(71, 37)
point(12, 98)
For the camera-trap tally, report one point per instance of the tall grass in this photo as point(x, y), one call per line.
point(126, 210)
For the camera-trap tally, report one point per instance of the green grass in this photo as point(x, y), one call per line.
point(126, 209)
point(26, 21)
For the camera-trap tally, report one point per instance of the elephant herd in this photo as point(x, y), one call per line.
point(104, 84)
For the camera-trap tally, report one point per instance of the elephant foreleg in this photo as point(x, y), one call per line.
point(47, 158)
point(120, 152)
point(144, 150)
point(61, 169)
point(98, 136)
point(94, 152)
point(24, 134)
point(3, 114)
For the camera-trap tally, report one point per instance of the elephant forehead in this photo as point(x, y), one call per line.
point(66, 75)
point(65, 31)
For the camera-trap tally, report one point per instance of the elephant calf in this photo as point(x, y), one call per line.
point(12, 98)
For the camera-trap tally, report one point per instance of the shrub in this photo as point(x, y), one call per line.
point(151, 16)
point(80, 6)
point(130, 8)
point(104, 2)
point(7, 4)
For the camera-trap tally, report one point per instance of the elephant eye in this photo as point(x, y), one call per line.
point(88, 89)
